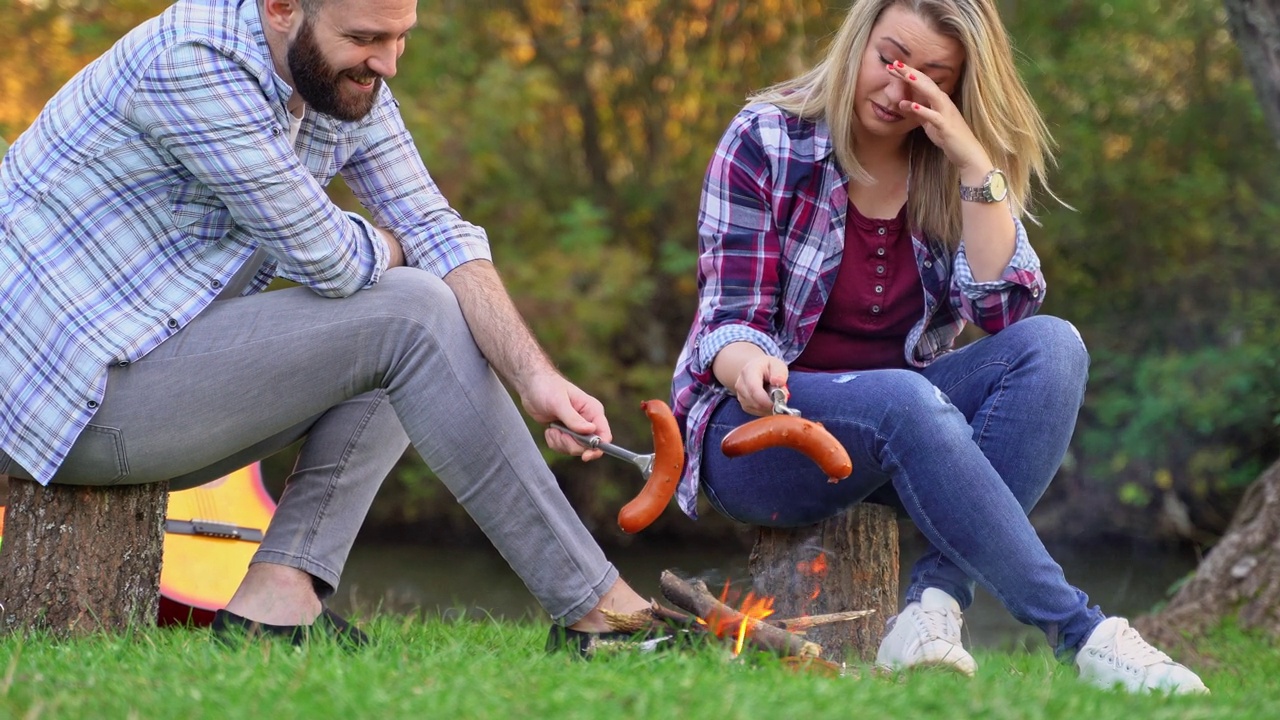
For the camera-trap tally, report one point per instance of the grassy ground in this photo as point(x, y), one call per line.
point(495, 670)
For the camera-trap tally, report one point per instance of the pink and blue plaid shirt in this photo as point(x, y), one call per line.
point(771, 233)
point(151, 178)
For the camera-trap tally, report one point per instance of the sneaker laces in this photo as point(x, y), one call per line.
point(938, 624)
point(1127, 647)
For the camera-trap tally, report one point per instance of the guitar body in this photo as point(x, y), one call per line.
point(211, 535)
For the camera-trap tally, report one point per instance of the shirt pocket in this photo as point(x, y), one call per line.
point(198, 213)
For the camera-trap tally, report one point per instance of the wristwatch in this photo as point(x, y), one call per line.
point(992, 190)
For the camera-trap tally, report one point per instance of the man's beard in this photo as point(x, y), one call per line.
point(321, 86)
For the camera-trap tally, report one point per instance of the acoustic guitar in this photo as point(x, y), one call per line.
point(211, 533)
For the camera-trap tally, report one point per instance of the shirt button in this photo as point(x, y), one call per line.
point(92, 404)
point(879, 231)
point(1035, 292)
point(879, 269)
point(875, 309)
point(879, 289)
point(928, 264)
point(123, 363)
point(880, 252)
point(215, 284)
point(173, 323)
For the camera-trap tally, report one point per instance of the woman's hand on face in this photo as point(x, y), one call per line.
point(940, 118)
point(755, 379)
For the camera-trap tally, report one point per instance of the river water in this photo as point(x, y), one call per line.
point(1124, 578)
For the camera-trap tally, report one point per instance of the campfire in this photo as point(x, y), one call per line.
point(749, 625)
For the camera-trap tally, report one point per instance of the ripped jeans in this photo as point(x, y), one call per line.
point(966, 447)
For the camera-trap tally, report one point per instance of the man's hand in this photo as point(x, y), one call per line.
point(552, 397)
point(509, 346)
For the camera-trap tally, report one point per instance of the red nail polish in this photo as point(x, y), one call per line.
point(915, 106)
point(911, 77)
point(888, 67)
point(897, 63)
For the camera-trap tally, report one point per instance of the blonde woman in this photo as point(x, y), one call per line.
point(853, 220)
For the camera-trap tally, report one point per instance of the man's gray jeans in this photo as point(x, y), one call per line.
point(358, 378)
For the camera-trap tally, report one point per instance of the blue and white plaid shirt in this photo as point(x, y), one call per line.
point(151, 178)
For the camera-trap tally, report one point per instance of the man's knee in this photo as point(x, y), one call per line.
point(416, 287)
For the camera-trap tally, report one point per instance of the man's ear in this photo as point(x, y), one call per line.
point(282, 16)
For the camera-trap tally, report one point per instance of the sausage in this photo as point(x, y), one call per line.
point(668, 463)
point(792, 432)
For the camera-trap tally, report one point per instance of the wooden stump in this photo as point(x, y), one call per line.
point(860, 551)
point(78, 559)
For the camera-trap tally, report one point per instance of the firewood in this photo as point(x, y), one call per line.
point(696, 599)
point(804, 622)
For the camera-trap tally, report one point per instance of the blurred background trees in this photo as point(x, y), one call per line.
point(577, 134)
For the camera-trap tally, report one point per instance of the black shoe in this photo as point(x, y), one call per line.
point(229, 627)
point(589, 644)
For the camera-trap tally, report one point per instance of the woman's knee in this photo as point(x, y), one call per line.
point(1055, 344)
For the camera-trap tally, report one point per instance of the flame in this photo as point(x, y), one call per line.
point(754, 609)
point(815, 570)
point(737, 625)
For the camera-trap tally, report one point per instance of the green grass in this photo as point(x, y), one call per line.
point(470, 669)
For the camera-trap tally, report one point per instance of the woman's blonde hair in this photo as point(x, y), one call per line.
point(990, 95)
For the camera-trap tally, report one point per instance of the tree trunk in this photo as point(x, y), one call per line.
point(1240, 577)
point(78, 559)
point(1255, 25)
point(860, 552)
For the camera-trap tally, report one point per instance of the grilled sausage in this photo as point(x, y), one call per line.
point(668, 463)
point(793, 432)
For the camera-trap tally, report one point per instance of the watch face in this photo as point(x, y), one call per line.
point(997, 186)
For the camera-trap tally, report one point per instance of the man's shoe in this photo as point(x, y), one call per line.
point(1115, 654)
point(229, 627)
point(589, 644)
point(926, 634)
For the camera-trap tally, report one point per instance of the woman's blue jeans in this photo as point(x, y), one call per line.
point(965, 446)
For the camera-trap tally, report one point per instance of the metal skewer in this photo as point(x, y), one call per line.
point(593, 442)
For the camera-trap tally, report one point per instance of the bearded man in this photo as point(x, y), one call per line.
point(165, 186)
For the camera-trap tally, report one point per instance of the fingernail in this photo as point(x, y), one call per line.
point(914, 106)
point(897, 63)
point(888, 67)
point(911, 77)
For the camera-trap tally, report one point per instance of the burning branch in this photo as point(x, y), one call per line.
point(725, 621)
point(800, 624)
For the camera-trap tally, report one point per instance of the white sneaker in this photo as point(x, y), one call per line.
point(926, 634)
point(1115, 654)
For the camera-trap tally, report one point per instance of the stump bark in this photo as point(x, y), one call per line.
point(80, 559)
point(860, 551)
point(1240, 577)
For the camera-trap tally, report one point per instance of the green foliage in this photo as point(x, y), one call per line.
point(1201, 422)
point(1165, 266)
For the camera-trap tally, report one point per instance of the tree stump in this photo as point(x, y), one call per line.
point(859, 550)
point(1240, 577)
point(77, 559)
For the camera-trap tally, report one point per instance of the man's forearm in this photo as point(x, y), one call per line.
point(499, 330)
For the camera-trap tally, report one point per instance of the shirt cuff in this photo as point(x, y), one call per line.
point(713, 342)
point(1023, 270)
point(380, 255)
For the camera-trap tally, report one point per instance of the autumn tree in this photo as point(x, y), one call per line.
point(1240, 578)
